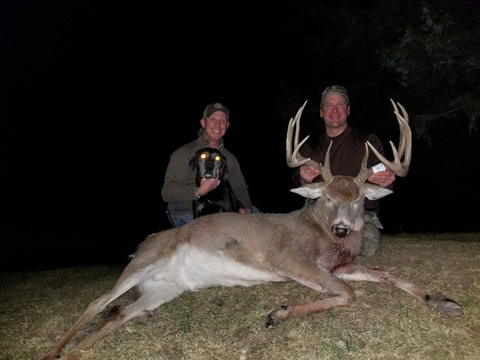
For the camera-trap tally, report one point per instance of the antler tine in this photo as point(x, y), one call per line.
point(294, 159)
point(325, 168)
point(365, 172)
point(405, 145)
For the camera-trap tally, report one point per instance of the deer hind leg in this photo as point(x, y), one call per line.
point(154, 295)
point(325, 282)
point(94, 308)
point(434, 300)
point(126, 281)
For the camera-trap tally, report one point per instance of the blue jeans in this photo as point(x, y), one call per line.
point(182, 219)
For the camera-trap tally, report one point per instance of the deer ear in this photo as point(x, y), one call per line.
point(310, 191)
point(374, 192)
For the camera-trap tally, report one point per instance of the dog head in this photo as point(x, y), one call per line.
point(209, 162)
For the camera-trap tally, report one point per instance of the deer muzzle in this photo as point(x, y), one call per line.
point(340, 230)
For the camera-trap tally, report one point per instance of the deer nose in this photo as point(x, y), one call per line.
point(341, 231)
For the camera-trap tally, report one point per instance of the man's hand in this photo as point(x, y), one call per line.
point(207, 185)
point(383, 178)
point(308, 173)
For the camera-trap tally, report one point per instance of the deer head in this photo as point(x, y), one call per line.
point(341, 197)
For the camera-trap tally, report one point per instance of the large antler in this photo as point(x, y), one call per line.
point(294, 159)
point(404, 145)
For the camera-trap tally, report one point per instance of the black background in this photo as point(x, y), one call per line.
point(96, 95)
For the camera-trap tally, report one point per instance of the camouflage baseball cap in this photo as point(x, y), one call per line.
point(210, 109)
point(334, 89)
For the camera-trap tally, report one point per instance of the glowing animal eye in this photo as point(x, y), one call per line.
point(217, 158)
point(203, 156)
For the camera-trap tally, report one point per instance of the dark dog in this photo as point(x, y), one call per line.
point(209, 162)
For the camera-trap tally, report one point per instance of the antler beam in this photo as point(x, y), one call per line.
point(294, 159)
point(404, 145)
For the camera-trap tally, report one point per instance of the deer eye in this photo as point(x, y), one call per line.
point(203, 156)
point(218, 158)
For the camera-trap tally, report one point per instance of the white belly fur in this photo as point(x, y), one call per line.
point(193, 268)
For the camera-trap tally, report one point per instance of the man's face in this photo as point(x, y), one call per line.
point(335, 111)
point(215, 126)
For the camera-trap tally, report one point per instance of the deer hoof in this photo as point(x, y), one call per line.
point(270, 320)
point(276, 316)
point(444, 305)
point(450, 308)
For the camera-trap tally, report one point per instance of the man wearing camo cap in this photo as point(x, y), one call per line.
point(346, 155)
point(179, 187)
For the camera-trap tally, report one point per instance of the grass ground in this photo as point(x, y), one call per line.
point(36, 307)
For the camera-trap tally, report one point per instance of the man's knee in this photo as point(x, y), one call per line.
point(255, 210)
point(371, 235)
point(182, 220)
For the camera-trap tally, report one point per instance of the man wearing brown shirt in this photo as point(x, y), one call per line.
point(346, 156)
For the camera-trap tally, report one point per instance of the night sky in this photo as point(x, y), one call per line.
point(96, 95)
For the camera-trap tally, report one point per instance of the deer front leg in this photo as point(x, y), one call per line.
point(342, 295)
point(434, 300)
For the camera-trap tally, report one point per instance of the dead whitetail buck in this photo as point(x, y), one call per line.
point(314, 246)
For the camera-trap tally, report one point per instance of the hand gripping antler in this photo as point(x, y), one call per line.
point(404, 145)
point(294, 159)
